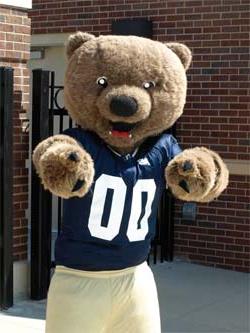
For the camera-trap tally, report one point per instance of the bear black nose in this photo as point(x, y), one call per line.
point(123, 105)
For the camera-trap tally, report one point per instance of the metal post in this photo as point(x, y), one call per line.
point(166, 221)
point(6, 187)
point(169, 210)
point(41, 200)
point(171, 214)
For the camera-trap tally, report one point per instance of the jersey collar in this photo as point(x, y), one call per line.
point(126, 155)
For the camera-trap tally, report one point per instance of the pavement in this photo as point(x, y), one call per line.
point(193, 299)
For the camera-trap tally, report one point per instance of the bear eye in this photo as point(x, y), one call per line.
point(102, 81)
point(148, 84)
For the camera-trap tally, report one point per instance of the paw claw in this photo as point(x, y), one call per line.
point(78, 185)
point(187, 166)
point(183, 184)
point(73, 157)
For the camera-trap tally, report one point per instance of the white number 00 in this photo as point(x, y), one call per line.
point(109, 232)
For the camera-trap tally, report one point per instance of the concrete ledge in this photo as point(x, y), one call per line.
point(21, 279)
point(42, 40)
point(238, 167)
point(26, 4)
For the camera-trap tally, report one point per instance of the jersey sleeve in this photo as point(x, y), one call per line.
point(168, 148)
point(85, 139)
point(174, 148)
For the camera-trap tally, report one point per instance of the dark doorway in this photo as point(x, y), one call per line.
point(140, 27)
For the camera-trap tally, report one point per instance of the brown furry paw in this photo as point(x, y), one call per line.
point(197, 174)
point(65, 169)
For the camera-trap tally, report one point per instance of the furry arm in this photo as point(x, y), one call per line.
point(64, 167)
point(197, 174)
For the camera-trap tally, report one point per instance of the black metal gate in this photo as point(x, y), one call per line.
point(6, 175)
point(49, 118)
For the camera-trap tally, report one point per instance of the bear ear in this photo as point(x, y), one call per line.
point(182, 51)
point(76, 40)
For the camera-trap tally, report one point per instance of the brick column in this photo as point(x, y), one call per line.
point(14, 52)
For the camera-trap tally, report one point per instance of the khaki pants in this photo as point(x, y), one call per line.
point(123, 301)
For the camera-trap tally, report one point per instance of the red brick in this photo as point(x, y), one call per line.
point(243, 269)
point(197, 244)
point(187, 236)
point(207, 252)
point(237, 262)
point(215, 259)
point(225, 254)
point(216, 245)
point(242, 255)
point(197, 257)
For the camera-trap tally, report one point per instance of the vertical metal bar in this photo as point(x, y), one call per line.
point(52, 90)
point(167, 226)
point(170, 204)
point(170, 232)
point(70, 122)
point(155, 247)
point(61, 123)
point(163, 233)
point(167, 221)
point(52, 103)
point(156, 241)
point(6, 187)
point(41, 201)
point(59, 209)
point(59, 215)
point(163, 226)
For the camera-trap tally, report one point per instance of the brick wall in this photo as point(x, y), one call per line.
point(14, 52)
point(220, 235)
point(216, 113)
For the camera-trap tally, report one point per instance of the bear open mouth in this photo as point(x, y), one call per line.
point(122, 130)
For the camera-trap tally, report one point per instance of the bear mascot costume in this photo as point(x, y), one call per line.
point(123, 92)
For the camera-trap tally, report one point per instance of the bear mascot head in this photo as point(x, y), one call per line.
point(125, 88)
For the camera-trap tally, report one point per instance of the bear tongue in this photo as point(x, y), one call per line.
point(121, 130)
point(120, 134)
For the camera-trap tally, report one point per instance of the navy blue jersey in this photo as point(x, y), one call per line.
point(112, 226)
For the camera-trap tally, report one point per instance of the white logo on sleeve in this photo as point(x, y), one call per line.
point(144, 161)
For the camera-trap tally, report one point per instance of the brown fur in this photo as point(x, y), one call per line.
point(207, 178)
point(221, 179)
point(127, 62)
point(58, 173)
point(76, 41)
point(182, 52)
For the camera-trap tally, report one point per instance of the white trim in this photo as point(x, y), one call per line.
point(43, 40)
point(135, 152)
point(115, 152)
point(27, 4)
